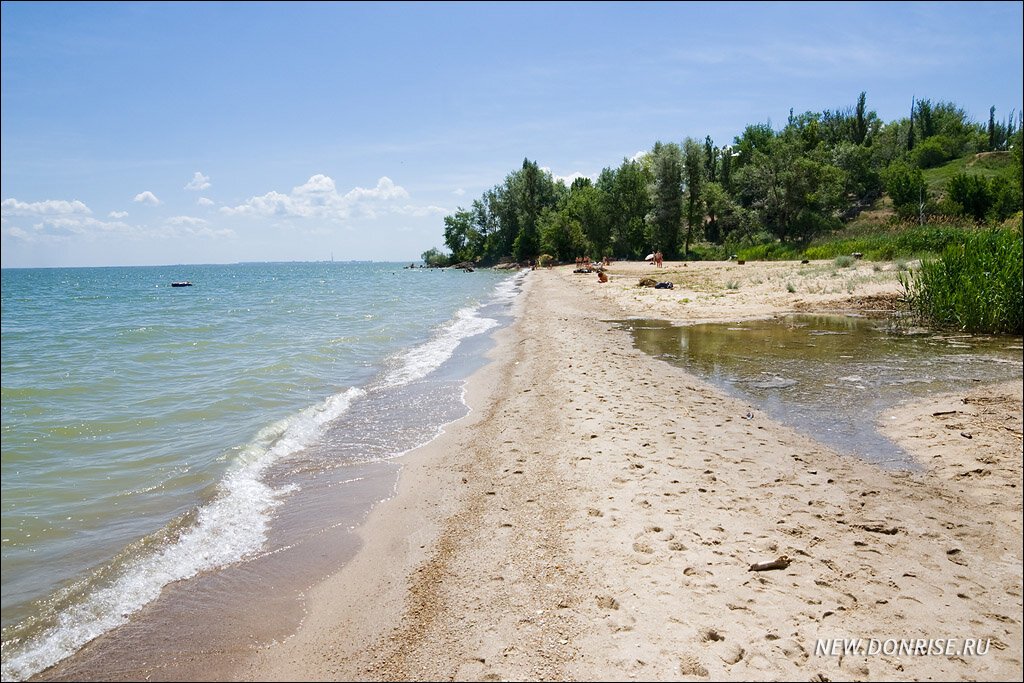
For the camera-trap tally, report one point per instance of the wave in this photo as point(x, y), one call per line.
point(230, 528)
point(419, 361)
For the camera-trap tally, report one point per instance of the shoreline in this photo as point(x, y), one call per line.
point(210, 621)
point(596, 514)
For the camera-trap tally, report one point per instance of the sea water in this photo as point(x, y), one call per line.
point(152, 434)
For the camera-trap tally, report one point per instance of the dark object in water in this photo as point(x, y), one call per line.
point(186, 283)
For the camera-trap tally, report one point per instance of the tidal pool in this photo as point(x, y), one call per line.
point(831, 376)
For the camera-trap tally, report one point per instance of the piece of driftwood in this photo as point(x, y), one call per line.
point(779, 563)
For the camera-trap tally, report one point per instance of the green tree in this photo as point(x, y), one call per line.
point(434, 257)
point(723, 213)
point(796, 196)
point(906, 187)
point(460, 236)
point(969, 194)
point(863, 181)
point(860, 121)
point(561, 236)
point(694, 174)
point(627, 203)
point(710, 160)
point(755, 137)
point(586, 205)
point(666, 190)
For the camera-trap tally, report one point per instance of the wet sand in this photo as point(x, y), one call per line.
point(597, 514)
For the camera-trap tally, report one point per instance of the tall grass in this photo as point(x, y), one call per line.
point(911, 241)
point(975, 285)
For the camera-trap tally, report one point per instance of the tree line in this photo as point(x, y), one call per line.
point(790, 185)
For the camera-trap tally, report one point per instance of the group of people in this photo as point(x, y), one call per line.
point(659, 260)
point(585, 262)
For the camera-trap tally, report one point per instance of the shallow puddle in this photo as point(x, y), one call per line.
point(831, 376)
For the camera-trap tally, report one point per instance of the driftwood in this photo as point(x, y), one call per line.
point(780, 563)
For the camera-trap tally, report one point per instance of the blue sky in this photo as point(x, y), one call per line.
point(165, 133)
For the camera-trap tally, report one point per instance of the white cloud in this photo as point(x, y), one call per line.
point(459, 192)
point(318, 197)
point(147, 197)
point(117, 214)
point(186, 220)
point(50, 207)
point(194, 227)
point(639, 155)
point(203, 201)
point(198, 182)
point(567, 179)
point(62, 228)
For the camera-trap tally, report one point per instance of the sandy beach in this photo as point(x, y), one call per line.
point(598, 514)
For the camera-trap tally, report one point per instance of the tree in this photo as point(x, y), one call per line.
point(906, 188)
point(910, 132)
point(587, 206)
point(694, 172)
point(460, 236)
point(666, 190)
point(755, 137)
point(722, 213)
point(627, 203)
point(969, 194)
point(796, 196)
point(710, 160)
point(561, 236)
point(434, 257)
point(860, 124)
point(862, 179)
point(992, 128)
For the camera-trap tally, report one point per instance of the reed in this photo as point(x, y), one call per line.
point(975, 285)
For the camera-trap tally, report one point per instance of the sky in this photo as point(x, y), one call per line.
point(203, 132)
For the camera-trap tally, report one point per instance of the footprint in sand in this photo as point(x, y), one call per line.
point(691, 666)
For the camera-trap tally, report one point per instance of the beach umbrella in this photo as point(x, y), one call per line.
point(649, 257)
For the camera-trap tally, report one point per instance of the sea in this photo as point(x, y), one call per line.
point(214, 442)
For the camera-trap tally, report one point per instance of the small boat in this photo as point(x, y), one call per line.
point(186, 283)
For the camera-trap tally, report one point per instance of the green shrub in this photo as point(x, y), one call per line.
point(932, 152)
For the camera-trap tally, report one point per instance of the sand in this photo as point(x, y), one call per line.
point(596, 516)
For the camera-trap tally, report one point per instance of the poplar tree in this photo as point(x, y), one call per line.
point(666, 191)
point(694, 174)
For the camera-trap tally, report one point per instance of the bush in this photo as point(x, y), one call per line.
point(906, 188)
point(930, 153)
point(969, 195)
point(774, 251)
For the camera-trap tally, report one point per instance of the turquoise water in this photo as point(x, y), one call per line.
point(151, 433)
